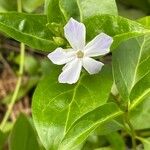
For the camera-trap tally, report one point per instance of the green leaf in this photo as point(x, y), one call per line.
point(141, 114)
point(109, 127)
point(29, 29)
point(57, 106)
point(31, 65)
point(90, 8)
point(61, 10)
point(119, 28)
point(53, 11)
point(141, 88)
point(116, 141)
point(23, 136)
point(88, 123)
point(70, 9)
point(131, 63)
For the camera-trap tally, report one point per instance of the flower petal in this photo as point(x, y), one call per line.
point(75, 34)
point(61, 56)
point(71, 72)
point(92, 66)
point(100, 45)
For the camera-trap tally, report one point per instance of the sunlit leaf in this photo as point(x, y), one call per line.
point(91, 8)
point(118, 27)
point(29, 29)
point(56, 107)
point(131, 63)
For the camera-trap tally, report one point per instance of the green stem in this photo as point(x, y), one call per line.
point(19, 5)
point(131, 129)
point(15, 94)
point(127, 124)
point(18, 85)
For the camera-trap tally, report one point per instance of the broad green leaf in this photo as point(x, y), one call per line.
point(90, 8)
point(116, 141)
point(27, 28)
point(142, 88)
point(31, 65)
point(118, 27)
point(131, 63)
point(58, 10)
point(70, 9)
point(23, 136)
point(109, 127)
point(53, 11)
point(57, 106)
point(140, 116)
point(88, 123)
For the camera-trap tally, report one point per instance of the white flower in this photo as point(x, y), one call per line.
point(80, 54)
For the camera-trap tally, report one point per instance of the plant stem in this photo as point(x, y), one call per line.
point(15, 94)
point(16, 91)
point(19, 5)
point(132, 132)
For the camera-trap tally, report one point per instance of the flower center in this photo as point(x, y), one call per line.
point(80, 54)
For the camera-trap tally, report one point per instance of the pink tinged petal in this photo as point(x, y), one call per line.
point(75, 34)
point(71, 72)
point(92, 66)
point(100, 45)
point(61, 56)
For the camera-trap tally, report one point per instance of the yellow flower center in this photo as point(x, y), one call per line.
point(80, 54)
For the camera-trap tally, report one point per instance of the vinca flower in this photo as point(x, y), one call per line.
point(81, 53)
